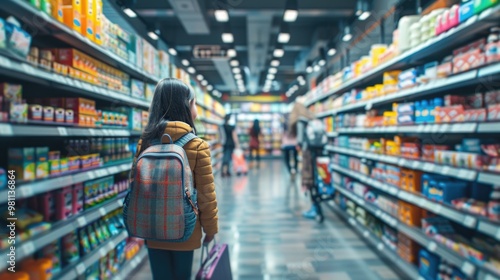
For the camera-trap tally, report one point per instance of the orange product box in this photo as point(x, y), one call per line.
point(410, 180)
point(76, 59)
point(72, 14)
point(57, 10)
point(448, 114)
point(475, 115)
point(494, 112)
point(409, 214)
point(145, 118)
point(88, 19)
point(98, 14)
point(410, 150)
point(81, 106)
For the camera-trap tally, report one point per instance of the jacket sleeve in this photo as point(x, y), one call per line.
point(204, 182)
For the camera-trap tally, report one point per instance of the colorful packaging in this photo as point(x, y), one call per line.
point(3, 36)
point(72, 14)
point(42, 162)
point(88, 18)
point(70, 253)
point(22, 161)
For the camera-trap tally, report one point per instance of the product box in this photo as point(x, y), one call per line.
point(88, 18)
point(22, 161)
point(98, 14)
point(64, 165)
point(469, 57)
point(48, 114)
point(450, 114)
point(135, 119)
point(18, 112)
point(481, 5)
point(72, 14)
point(35, 112)
point(466, 11)
point(42, 162)
point(145, 118)
point(149, 91)
point(59, 115)
point(81, 106)
point(3, 36)
point(18, 40)
point(78, 198)
point(54, 163)
point(137, 88)
point(47, 206)
point(475, 115)
point(11, 92)
point(428, 265)
point(494, 112)
point(64, 203)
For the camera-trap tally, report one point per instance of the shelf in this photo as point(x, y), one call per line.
point(42, 24)
point(79, 268)
point(209, 132)
point(332, 134)
point(127, 268)
point(479, 223)
point(27, 72)
point(408, 269)
point(28, 189)
point(209, 109)
point(460, 128)
point(438, 46)
point(19, 130)
point(59, 230)
point(216, 152)
point(210, 121)
point(417, 235)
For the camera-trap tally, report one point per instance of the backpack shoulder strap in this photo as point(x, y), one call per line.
point(134, 162)
point(185, 139)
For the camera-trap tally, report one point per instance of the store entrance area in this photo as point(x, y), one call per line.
point(260, 218)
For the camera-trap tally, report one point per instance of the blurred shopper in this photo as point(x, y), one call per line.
point(255, 135)
point(173, 111)
point(300, 112)
point(289, 148)
point(229, 145)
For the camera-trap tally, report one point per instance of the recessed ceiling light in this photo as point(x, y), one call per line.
point(273, 70)
point(317, 68)
point(185, 62)
point(231, 53)
point(309, 69)
point(172, 51)
point(237, 76)
point(236, 70)
point(234, 63)
point(279, 52)
point(270, 76)
point(322, 62)
point(191, 70)
point(221, 15)
point(302, 82)
point(300, 78)
point(199, 77)
point(227, 37)
point(332, 51)
point(284, 38)
point(290, 15)
point(130, 13)
point(153, 35)
point(204, 83)
point(364, 15)
point(347, 34)
point(210, 87)
point(240, 82)
point(275, 63)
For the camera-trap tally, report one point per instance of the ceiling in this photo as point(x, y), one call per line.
point(255, 25)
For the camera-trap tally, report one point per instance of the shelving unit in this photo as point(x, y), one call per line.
point(131, 264)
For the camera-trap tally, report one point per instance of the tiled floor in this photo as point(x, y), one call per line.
point(260, 218)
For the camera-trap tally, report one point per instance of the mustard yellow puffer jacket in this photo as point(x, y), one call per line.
point(199, 157)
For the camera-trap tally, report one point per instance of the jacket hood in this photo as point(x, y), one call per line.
point(177, 129)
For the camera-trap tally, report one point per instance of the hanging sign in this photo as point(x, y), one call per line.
point(209, 51)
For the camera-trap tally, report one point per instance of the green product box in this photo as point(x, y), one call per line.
point(22, 161)
point(3, 36)
point(36, 3)
point(64, 165)
point(54, 167)
point(42, 162)
point(46, 7)
point(481, 5)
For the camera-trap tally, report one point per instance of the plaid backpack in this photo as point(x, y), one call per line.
point(161, 203)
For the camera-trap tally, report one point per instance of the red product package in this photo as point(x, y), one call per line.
point(450, 114)
point(474, 115)
point(494, 112)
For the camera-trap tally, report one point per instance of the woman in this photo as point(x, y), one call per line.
point(229, 145)
point(255, 134)
point(289, 147)
point(173, 111)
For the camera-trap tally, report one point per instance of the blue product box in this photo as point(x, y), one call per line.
point(426, 181)
point(137, 88)
point(428, 265)
point(471, 145)
point(466, 11)
point(406, 119)
point(446, 191)
point(409, 74)
point(406, 109)
point(17, 39)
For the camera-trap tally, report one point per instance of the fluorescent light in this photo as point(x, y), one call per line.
point(185, 62)
point(275, 63)
point(273, 70)
point(204, 83)
point(191, 70)
point(317, 68)
point(221, 15)
point(332, 51)
point(364, 15)
point(238, 77)
point(290, 15)
point(322, 62)
point(270, 76)
point(279, 52)
point(130, 13)
point(227, 37)
point(152, 35)
point(309, 69)
point(199, 77)
point(284, 38)
point(172, 51)
point(236, 70)
point(231, 52)
point(347, 37)
point(234, 63)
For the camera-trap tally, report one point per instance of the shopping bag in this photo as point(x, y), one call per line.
point(240, 165)
point(216, 265)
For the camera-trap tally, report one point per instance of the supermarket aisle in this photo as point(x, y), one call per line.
point(260, 218)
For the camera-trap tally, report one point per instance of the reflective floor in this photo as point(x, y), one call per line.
point(260, 218)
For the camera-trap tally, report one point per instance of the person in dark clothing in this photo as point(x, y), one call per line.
point(229, 145)
point(255, 134)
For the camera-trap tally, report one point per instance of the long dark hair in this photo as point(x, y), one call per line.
point(171, 102)
point(255, 131)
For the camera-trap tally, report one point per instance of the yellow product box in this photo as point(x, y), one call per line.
point(88, 19)
point(72, 14)
point(98, 30)
point(390, 118)
point(22, 161)
point(57, 10)
point(379, 89)
point(391, 77)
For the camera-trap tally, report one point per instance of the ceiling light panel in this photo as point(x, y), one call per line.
point(279, 53)
point(221, 15)
point(227, 38)
point(275, 63)
point(273, 70)
point(284, 38)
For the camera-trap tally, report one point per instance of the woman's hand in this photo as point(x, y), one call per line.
point(208, 239)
